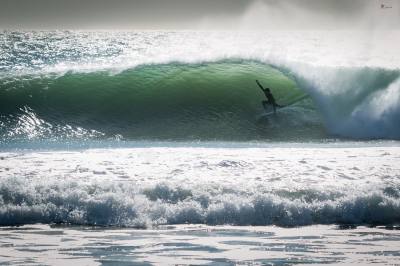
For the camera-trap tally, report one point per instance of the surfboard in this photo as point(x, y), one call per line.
point(269, 110)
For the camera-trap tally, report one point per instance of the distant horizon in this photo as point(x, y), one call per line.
point(205, 15)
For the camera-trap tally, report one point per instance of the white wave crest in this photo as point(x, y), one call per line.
point(109, 204)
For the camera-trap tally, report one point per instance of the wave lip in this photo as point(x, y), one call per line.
point(358, 103)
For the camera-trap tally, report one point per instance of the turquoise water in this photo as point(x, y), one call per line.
point(206, 101)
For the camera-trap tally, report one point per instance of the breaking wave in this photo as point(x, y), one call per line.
point(195, 86)
point(122, 204)
point(204, 101)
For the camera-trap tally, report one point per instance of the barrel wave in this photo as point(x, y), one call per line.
point(195, 86)
point(203, 101)
point(169, 102)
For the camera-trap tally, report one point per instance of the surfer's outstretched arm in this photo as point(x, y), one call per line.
point(259, 85)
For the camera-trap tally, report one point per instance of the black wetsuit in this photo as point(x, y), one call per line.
point(270, 98)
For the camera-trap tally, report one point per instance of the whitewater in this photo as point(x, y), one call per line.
point(150, 147)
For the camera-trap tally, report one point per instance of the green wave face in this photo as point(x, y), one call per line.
point(206, 101)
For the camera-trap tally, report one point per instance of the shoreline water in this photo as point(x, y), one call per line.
point(75, 145)
point(199, 245)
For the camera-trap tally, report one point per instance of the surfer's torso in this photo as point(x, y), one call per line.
point(269, 96)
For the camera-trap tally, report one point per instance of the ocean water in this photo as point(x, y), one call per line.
point(151, 148)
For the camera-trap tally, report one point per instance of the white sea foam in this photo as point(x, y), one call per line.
point(355, 102)
point(150, 186)
point(380, 112)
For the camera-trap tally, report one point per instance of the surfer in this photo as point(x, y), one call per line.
point(270, 97)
